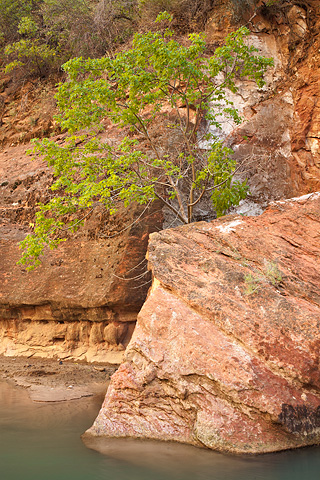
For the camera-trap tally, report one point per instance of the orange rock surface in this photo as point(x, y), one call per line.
point(82, 302)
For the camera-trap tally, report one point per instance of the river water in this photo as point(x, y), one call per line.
point(41, 441)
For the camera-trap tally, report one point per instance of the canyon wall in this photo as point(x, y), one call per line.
point(226, 349)
point(278, 141)
point(82, 302)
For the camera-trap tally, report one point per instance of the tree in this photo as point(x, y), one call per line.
point(30, 52)
point(37, 36)
point(11, 13)
point(157, 86)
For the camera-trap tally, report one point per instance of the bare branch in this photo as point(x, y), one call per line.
point(201, 195)
point(131, 224)
point(183, 218)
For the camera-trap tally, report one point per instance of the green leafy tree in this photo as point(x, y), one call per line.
point(39, 35)
point(164, 96)
point(30, 52)
point(11, 13)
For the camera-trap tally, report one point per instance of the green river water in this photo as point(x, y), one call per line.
point(41, 441)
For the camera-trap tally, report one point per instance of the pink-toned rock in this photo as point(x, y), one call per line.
point(226, 349)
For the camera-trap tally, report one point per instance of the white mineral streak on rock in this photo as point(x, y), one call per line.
point(302, 198)
point(229, 227)
point(247, 208)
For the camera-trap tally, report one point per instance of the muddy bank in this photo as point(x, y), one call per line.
point(49, 380)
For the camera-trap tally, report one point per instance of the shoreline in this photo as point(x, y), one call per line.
point(55, 380)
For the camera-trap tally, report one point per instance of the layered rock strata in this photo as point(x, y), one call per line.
point(225, 353)
point(82, 302)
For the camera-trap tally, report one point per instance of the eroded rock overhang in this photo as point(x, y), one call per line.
point(82, 302)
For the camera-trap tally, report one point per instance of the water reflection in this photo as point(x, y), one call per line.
point(174, 461)
point(41, 441)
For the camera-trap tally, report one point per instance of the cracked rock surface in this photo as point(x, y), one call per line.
point(225, 353)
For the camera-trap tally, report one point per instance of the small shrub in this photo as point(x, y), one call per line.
point(32, 56)
point(252, 284)
point(188, 15)
point(39, 36)
point(11, 13)
point(272, 273)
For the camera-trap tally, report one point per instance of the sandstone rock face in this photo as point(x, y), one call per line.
point(82, 302)
point(278, 141)
point(226, 349)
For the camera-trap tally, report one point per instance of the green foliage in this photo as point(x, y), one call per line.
point(82, 28)
point(40, 35)
point(252, 284)
point(134, 90)
point(11, 13)
point(272, 272)
point(29, 53)
point(27, 26)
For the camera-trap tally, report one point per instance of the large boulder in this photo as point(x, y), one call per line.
point(225, 353)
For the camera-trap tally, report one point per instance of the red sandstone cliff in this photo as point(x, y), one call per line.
point(279, 139)
point(82, 302)
point(226, 350)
